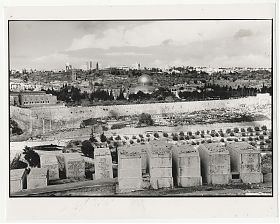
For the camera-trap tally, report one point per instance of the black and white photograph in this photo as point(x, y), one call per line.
point(112, 106)
point(144, 108)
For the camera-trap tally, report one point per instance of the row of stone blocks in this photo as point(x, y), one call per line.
point(71, 164)
point(211, 163)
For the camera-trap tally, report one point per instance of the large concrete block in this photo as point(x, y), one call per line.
point(186, 165)
point(189, 181)
point(74, 165)
point(37, 178)
point(246, 160)
point(215, 163)
point(129, 169)
point(103, 163)
point(17, 180)
point(161, 172)
point(157, 183)
point(50, 162)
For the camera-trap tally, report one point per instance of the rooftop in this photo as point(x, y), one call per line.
point(214, 147)
point(240, 146)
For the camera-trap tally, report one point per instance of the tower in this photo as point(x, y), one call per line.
point(97, 67)
point(138, 66)
point(90, 65)
point(73, 75)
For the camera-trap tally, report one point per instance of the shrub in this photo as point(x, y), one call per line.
point(203, 132)
point(108, 141)
point(222, 135)
point(193, 143)
point(236, 140)
point(249, 129)
point(222, 140)
point(126, 138)
point(103, 138)
point(212, 134)
point(193, 137)
point(202, 135)
point(118, 138)
point(268, 141)
point(243, 139)
point(189, 133)
point(87, 149)
point(231, 134)
point(257, 128)
point(175, 138)
point(111, 138)
point(131, 141)
point(187, 137)
point(264, 133)
point(141, 136)
point(236, 130)
point(257, 133)
point(250, 138)
point(264, 128)
point(156, 135)
point(229, 139)
point(181, 133)
point(32, 157)
point(261, 137)
point(165, 135)
point(118, 126)
point(181, 138)
point(228, 131)
point(261, 143)
point(124, 142)
point(138, 140)
point(148, 135)
point(217, 134)
point(197, 132)
point(243, 134)
point(203, 141)
point(251, 134)
point(242, 129)
point(253, 143)
point(146, 119)
point(209, 141)
point(134, 137)
point(256, 138)
point(207, 131)
point(17, 163)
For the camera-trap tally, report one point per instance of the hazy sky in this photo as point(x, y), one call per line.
point(51, 44)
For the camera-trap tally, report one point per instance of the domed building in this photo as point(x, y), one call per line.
point(145, 85)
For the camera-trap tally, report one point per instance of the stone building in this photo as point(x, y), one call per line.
point(215, 163)
point(145, 85)
point(245, 161)
point(32, 98)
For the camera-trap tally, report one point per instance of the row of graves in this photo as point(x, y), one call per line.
point(157, 164)
point(183, 165)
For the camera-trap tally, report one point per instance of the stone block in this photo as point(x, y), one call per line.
point(215, 163)
point(130, 183)
point(17, 180)
point(130, 173)
point(267, 177)
point(37, 178)
point(157, 183)
point(246, 160)
point(50, 162)
point(74, 165)
point(103, 163)
point(189, 181)
point(161, 172)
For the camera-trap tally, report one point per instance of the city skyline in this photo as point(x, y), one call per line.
point(48, 45)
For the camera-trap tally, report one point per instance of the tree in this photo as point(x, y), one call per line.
point(146, 119)
point(17, 163)
point(87, 149)
point(165, 134)
point(103, 138)
point(32, 157)
point(156, 135)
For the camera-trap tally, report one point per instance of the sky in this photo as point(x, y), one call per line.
point(49, 45)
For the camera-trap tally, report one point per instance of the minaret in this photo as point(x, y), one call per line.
point(97, 67)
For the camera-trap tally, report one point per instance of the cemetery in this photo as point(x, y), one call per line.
point(185, 160)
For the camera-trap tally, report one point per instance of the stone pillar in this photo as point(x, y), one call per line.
point(50, 162)
point(37, 178)
point(246, 160)
point(103, 163)
point(74, 165)
point(17, 180)
point(215, 163)
point(186, 165)
point(160, 164)
point(129, 169)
